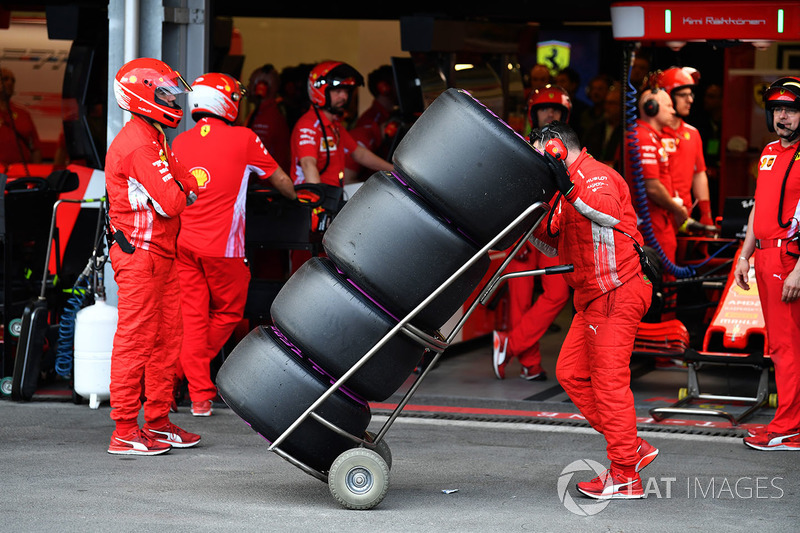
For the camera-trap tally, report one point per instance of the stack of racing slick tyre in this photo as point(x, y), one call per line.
point(461, 176)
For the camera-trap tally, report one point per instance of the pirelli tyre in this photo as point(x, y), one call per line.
point(269, 384)
point(398, 251)
point(334, 325)
point(472, 167)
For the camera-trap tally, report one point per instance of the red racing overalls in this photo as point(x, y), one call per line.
point(144, 206)
point(611, 296)
point(213, 271)
point(772, 264)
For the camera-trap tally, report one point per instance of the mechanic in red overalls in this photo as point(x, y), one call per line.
point(19, 140)
point(683, 144)
point(772, 232)
point(529, 320)
point(666, 214)
point(595, 230)
point(371, 127)
point(212, 267)
point(319, 140)
point(265, 115)
point(148, 189)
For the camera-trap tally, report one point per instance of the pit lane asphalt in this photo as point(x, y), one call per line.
point(57, 476)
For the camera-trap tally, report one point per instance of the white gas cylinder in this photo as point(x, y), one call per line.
point(95, 326)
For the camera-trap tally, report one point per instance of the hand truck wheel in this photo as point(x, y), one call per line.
point(5, 386)
point(683, 392)
point(773, 400)
point(358, 479)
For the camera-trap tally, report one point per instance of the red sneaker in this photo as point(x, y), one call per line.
point(531, 373)
point(500, 354)
point(136, 443)
point(769, 442)
point(753, 431)
point(647, 454)
point(172, 435)
point(202, 408)
point(612, 485)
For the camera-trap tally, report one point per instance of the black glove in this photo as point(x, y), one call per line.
point(560, 174)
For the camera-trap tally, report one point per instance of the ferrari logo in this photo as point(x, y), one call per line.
point(554, 55)
point(201, 175)
point(204, 129)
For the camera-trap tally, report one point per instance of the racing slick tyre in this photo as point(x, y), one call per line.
point(395, 249)
point(269, 385)
point(334, 325)
point(473, 168)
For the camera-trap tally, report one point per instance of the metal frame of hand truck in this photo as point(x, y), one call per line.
point(437, 343)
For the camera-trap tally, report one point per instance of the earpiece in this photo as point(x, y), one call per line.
point(556, 148)
point(651, 107)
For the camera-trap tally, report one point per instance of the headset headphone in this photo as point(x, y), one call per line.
point(651, 106)
point(554, 145)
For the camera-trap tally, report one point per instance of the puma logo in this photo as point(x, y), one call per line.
point(778, 276)
point(593, 328)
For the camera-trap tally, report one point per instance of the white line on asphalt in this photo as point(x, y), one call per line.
point(545, 428)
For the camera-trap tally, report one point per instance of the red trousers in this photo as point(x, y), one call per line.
point(148, 338)
point(528, 320)
point(593, 366)
point(782, 321)
point(213, 296)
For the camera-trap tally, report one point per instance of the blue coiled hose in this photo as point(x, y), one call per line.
point(66, 327)
point(639, 192)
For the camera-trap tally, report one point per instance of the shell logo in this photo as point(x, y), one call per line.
point(201, 175)
point(753, 291)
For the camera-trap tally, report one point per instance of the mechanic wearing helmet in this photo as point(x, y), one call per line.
point(772, 232)
point(683, 143)
point(148, 189)
point(374, 127)
point(319, 140)
point(594, 228)
point(212, 268)
point(529, 320)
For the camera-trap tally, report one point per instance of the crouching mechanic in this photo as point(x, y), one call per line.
point(147, 189)
point(213, 271)
point(595, 230)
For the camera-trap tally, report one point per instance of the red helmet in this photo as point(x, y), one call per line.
point(782, 92)
point(216, 94)
point(549, 96)
point(675, 78)
point(327, 75)
point(147, 87)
